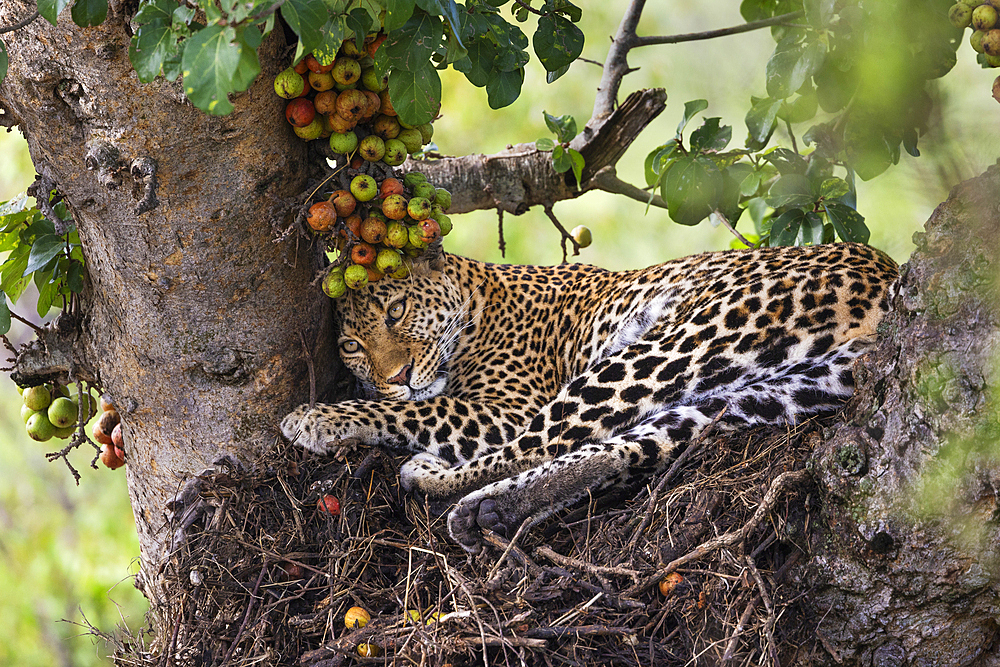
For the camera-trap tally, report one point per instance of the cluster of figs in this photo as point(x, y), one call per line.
point(50, 411)
point(376, 220)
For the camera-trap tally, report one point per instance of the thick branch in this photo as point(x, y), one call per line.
point(521, 176)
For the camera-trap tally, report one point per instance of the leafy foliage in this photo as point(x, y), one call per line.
point(36, 253)
point(564, 158)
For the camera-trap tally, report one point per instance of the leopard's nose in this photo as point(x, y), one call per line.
point(403, 376)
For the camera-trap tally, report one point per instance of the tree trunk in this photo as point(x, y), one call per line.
point(905, 570)
point(194, 319)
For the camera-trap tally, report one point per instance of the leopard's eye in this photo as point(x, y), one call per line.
point(396, 310)
point(349, 346)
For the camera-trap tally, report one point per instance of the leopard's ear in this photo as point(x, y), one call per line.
point(431, 260)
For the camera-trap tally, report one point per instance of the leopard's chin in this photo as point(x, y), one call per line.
point(435, 388)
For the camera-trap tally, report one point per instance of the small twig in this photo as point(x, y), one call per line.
point(728, 539)
point(562, 230)
point(721, 32)
point(725, 221)
point(246, 615)
point(671, 473)
point(20, 24)
point(38, 330)
point(769, 624)
point(606, 179)
point(791, 135)
point(585, 566)
point(511, 549)
point(727, 656)
point(531, 9)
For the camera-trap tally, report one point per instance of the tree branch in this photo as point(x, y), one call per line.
point(616, 64)
point(20, 24)
point(607, 180)
point(712, 34)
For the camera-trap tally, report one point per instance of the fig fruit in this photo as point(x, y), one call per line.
point(581, 234)
point(390, 186)
point(346, 70)
point(396, 235)
point(311, 131)
point(288, 84)
point(373, 231)
point(344, 202)
point(39, 427)
point(425, 190)
point(395, 152)
point(419, 208)
point(63, 412)
point(326, 102)
point(412, 139)
point(356, 617)
point(355, 276)
point(320, 81)
point(413, 178)
point(300, 112)
point(351, 105)
point(991, 43)
point(386, 127)
point(363, 254)
point(333, 284)
point(386, 107)
point(343, 142)
point(117, 437)
point(984, 17)
point(364, 187)
point(328, 504)
point(394, 207)
point(372, 81)
point(442, 198)
point(372, 148)
point(960, 15)
point(314, 65)
point(110, 458)
point(37, 398)
point(430, 230)
point(388, 261)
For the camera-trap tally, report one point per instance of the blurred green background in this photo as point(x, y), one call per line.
point(69, 551)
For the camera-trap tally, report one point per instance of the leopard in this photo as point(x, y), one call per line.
point(521, 390)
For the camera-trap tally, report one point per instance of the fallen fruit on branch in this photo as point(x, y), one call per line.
point(356, 617)
point(328, 504)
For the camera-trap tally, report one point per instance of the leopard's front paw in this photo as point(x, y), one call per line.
point(473, 514)
point(424, 473)
point(310, 428)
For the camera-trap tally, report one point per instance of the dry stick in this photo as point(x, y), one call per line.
point(671, 473)
point(727, 655)
point(246, 615)
point(510, 549)
point(730, 538)
point(769, 624)
point(38, 329)
point(584, 565)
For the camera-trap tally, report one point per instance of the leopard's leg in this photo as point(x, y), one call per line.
point(592, 409)
point(640, 451)
point(415, 426)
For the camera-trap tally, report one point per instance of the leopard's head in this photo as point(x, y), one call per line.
point(396, 336)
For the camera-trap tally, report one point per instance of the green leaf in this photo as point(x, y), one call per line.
point(658, 160)
point(557, 42)
point(156, 10)
point(444, 8)
point(16, 204)
point(43, 250)
point(691, 187)
point(334, 33)
point(416, 94)
point(209, 64)
point(550, 77)
point(833, 188)
point(47, 293)
point(578, 164)
point(818, 12)
point(790, 190)
point(306, 18)
point(811, 231)
point(4, 316)
point(397, 13)
point(690, 109)
point(785, 228)
point(411, 47)
point(787, 161)
point(88, 13)
point(791, 65)
point(711, 136)
point(503, 88)
point(74, 278)
point(545, 144)
point(750, 184)
point(249, 66)
point(12, 279)
point(761, 121)
point(848, 223)
point(564, 127)
point(49, 9)
point(150, 46)
point(560, 160)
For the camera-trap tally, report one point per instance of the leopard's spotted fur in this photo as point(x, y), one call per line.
point(521, 389)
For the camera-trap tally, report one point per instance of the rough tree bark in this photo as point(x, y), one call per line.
point(906, 569)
